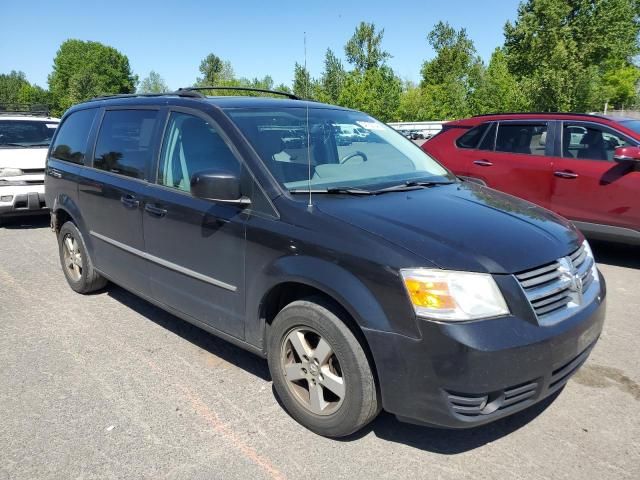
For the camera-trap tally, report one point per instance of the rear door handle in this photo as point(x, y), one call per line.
point(130, 201)
point(483, 163)
point(55, 173)
point(155, 210)
point(567, 175)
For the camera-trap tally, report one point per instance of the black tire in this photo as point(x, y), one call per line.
point(360, 403)
point(88, 280)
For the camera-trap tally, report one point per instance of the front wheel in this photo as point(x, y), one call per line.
point(320, 370)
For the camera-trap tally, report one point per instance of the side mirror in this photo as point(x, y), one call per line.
point(218, 185)
point(624, 154)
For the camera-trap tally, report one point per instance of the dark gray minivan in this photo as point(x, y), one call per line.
point(365, 272)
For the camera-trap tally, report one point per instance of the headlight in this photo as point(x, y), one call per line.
point(453, 296)
point(10, 172)
point(594, 268)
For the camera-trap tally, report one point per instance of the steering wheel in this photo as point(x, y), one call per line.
point(357, 153)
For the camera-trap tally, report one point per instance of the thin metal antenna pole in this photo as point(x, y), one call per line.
point(307, 112)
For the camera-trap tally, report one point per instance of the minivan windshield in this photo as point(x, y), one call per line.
point(336, 148)
point(26, 133)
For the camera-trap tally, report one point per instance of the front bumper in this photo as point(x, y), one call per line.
point(25, 200)
point(468, 374)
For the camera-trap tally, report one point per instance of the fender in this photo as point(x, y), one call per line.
point(331, 279)
point(63, 202)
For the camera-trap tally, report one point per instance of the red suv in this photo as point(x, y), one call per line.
point(584, 167)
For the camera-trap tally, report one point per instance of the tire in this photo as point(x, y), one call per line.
point(307, 323)
point(75, 261)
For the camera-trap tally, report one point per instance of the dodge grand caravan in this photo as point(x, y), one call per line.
point(367, 274)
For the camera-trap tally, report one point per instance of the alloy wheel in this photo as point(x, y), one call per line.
point(312, 371)
point(72, 257)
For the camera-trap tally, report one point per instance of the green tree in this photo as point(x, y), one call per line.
point(414, 105)
point(303, 85)
point(11, 85)
point(564, 51)
point(449, 79)
point(34, 95)
point(498, 89)
point(82, 70)
point(375, 91)
point(153, 83)
point(332, 79)
point(215, 71)
point(364, 49)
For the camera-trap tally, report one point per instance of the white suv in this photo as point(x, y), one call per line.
point(24, 140)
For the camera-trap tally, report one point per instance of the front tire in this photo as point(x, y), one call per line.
point(320, 370)
point(76, 263)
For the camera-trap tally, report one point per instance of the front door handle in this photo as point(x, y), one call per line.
point(483, 163)
point(130, 201)
point(568, 174)
point(155, 210)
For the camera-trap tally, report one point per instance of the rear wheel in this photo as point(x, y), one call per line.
point(76, 264)
point(320, 370)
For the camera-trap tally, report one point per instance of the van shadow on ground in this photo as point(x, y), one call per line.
point(386, 426)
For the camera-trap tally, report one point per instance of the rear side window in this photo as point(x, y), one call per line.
point(125, 142)
point(71, 142)
point(472, 137)
point(523, 138)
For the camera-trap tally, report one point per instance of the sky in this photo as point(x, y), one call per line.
point(258, 37)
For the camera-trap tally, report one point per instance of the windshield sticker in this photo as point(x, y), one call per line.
point(371, 126)
point(52, 125)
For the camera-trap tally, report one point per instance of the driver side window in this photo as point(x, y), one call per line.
point(590, 142)
point(190, 145)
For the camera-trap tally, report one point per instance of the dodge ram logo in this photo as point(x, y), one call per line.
point(569, 274)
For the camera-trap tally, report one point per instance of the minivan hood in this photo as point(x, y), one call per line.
point(462, 226)
point(29, 158)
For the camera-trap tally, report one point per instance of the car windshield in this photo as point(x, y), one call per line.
point(26, 133)
point(340, 148)
point(632, 124)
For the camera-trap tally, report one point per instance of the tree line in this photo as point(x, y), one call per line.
point(558, 55)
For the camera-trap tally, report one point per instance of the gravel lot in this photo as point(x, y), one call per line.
point(108, 386)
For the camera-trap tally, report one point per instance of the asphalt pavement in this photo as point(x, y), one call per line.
point(109, 386)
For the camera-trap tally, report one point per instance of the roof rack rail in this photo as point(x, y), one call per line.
point(134, 95)
point(591, 115)
point(27, 109)
point(242, 89)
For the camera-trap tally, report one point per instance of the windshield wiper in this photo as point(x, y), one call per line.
point(411, 185)
point(334, 190)
point(22, 145)
point(43, 144)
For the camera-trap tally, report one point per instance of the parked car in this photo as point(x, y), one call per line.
point(368, 275)
point(24, 138)
point(584, 167)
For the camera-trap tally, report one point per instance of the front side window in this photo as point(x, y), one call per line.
point(71, 141)
point(125, 142)
point(192, 145)
point(26, 133)
point(523, 138)
point(294, 142)
point(590, 142)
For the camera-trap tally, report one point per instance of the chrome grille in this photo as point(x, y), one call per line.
point(558, 286)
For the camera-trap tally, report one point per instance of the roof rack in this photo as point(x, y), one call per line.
point(192, 92)
point(26, 109)
point(134, 95)
point(590, 115)
point(242, 89)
